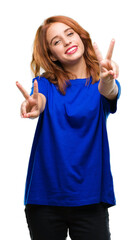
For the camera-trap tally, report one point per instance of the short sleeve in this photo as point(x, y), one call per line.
point(110, 106)
point(42, 85)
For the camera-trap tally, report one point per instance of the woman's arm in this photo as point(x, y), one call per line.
point(109, 70)
point(108, 89)
point(33, 105)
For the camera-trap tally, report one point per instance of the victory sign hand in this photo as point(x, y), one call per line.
point(109, 70)
point(30, 107)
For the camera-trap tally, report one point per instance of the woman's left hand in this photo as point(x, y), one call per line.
point(109, 70)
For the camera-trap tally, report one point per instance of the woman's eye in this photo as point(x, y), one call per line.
point(71, 33)
point(56, 42)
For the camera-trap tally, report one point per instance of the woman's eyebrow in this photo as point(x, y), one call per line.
point(58, 36)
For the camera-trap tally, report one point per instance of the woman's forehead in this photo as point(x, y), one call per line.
point(56, 29)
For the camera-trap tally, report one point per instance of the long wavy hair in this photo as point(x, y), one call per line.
point(54, 71)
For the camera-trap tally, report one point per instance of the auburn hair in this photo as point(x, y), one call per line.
point(54, 71)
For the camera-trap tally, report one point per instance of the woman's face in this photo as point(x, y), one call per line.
point(65, 44)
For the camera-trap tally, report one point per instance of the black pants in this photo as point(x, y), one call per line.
point(90, 222)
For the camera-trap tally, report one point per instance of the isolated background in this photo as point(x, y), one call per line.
point(104, 20)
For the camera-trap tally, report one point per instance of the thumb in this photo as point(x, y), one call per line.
point(107, 75)
point(32, 115)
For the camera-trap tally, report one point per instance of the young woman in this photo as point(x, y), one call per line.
point(69, 183)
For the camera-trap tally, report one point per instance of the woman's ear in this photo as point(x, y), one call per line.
point(53, 58)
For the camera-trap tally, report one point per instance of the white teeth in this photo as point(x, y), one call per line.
point(70, 50)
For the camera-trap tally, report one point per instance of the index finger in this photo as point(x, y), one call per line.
point(97, 52)
point(22, 90)
point(110, 51)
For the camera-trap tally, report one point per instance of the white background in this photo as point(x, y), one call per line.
point(104, 20)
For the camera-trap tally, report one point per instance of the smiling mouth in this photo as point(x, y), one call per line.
point(72, 50)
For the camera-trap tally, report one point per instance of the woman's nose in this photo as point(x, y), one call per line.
point(66, 41)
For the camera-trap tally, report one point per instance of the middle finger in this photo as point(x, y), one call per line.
point(97, 52)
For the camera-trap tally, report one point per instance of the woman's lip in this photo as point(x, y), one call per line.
point(74, 50)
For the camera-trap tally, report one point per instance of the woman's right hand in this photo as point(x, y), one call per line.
point(33, 105)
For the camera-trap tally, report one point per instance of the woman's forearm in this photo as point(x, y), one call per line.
point(108, 89)
point(41, 102)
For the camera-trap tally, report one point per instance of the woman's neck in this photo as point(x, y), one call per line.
point(79, 68)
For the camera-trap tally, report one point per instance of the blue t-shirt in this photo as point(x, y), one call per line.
point(70, 161)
